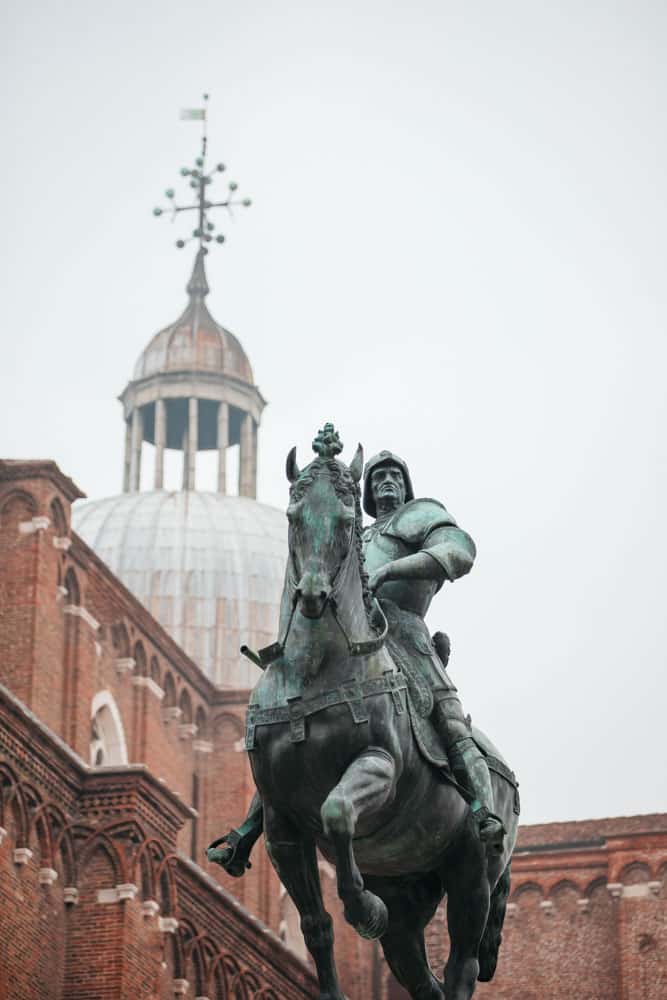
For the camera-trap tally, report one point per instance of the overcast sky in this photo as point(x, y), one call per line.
point(456, 250)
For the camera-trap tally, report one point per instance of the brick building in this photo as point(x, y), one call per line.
point(122, 696)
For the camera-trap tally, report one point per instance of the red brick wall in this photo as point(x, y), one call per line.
point(94, 954)
point(18, 572)
point(111, 834)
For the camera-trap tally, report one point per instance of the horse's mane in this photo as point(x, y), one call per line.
point(346, 489)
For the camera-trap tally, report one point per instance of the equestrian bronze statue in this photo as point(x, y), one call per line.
point(358, 743)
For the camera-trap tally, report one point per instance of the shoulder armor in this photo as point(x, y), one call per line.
point(416, 519)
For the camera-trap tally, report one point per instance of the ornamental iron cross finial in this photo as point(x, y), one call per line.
point(200, 181)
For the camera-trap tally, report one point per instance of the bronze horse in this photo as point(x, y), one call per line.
point(337, 768)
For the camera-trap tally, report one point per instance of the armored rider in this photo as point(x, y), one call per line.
point(411, 549)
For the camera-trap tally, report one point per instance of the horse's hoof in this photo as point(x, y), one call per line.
point(368, 915)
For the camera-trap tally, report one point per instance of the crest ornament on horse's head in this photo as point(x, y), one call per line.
point(326, 445)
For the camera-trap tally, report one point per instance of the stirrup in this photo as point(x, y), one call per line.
point(492, 837)
point(231, 865)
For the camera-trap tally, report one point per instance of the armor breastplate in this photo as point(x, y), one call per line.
point(410, 595)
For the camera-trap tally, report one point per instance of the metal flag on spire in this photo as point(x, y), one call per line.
point(199, 182)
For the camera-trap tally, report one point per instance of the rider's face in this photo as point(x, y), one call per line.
point(388, 487)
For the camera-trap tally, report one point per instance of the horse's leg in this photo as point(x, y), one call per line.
point(468, 894)
point(411, 906)
point(294, 858)
point(364, 788)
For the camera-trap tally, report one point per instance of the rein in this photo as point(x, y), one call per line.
point(363, 647)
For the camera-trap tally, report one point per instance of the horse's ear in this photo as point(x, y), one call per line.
point(291, 468)
point(357, 464)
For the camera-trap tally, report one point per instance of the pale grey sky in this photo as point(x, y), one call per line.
point(456, 250)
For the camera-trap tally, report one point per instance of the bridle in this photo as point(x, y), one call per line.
point(362, 647)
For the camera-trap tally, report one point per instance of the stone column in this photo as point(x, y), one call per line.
point(191, 454)
point(186, 460)
point(135, 460)
point(253, 462)
point(245, 457)
point(160, 441)
point(223, 442)
point(128, 456)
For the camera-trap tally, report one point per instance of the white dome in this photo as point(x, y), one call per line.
point(209, 567)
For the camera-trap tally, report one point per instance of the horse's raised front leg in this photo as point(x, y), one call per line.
point(365, 787)
point(295, 861)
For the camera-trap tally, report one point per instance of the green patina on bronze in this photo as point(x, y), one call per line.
point(357, 738)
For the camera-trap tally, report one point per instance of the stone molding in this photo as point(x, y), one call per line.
point(202, 746)
point(126, 890)
point(22, 855)
point(3, 834)
point(187, 730)
point(181, 987)
point(125, 665)
point(150, 684)
point(168, 925)
point(80, 612)
point(639, 890)
point(47, 876)
point(171, 712)
point(70, 895)
point(63, 542)
point(39, 523)
point(150, 908)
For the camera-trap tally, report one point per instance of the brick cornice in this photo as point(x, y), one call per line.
point(91, 793)
point(32, 747)
point(12, 470)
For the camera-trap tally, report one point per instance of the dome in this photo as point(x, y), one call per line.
point(208, 567)
point(195, 342)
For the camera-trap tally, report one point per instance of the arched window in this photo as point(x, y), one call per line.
point(70, 676)
point(185, 705)
point(169, 691)
point(58, 518)
point(139, 659)
point(201, 723)
point(107, 736)
point(120, 640)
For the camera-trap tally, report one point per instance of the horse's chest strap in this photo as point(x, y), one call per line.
point(297, 710)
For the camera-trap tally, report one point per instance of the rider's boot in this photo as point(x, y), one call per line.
point(467, 763)
point(235, 857)
point(471, 770)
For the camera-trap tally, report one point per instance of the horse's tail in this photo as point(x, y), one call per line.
point(490, 944)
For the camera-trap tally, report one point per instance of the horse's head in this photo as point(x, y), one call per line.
point(324, 520)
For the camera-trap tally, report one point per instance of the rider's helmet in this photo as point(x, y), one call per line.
point(384, 458)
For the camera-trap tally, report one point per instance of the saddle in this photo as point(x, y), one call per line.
point(414, 653)
point(422, 660)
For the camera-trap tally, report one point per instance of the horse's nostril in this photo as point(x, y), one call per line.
point(323, 595)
